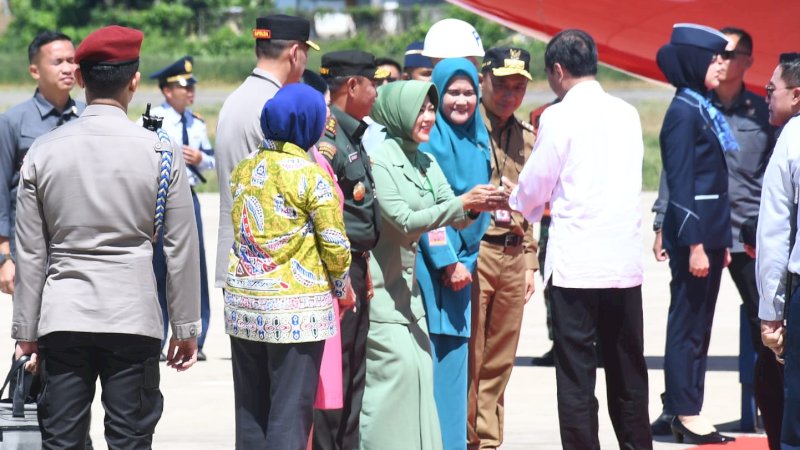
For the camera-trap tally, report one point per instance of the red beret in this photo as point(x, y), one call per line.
point(110, 45)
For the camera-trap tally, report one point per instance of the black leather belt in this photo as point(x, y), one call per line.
point(506, 240)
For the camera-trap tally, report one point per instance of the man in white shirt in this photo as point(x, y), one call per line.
point(775, 258)
point(189, 132)
point(593, 264)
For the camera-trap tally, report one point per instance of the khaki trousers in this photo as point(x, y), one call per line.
point(498, 300)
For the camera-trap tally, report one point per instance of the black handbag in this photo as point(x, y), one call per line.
point(19, 427)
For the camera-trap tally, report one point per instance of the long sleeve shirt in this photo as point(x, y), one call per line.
point(19, 127)
point(773, 255)
point(197, 135)
point(587, 162)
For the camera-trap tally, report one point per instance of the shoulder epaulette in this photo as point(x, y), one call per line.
point(327, 149)
point(330, 127)
point(198, 116)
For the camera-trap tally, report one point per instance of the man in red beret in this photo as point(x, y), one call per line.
point(85, 304)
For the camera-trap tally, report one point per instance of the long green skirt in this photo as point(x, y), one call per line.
point(398, 410)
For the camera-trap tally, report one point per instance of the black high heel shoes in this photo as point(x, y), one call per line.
point(683, 434)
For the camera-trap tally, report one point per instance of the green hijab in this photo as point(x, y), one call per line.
point(397, 107)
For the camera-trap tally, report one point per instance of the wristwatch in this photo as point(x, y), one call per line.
point(5, 257)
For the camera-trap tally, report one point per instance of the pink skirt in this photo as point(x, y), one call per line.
point(329, 388)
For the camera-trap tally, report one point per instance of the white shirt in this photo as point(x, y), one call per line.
point(587, 162)
point(196, 130)
point(772, 234)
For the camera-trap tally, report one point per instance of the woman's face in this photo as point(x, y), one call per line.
point(459, 100)
point(422, 126)
point(714, 70)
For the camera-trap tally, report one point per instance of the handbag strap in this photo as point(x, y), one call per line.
point(22, 388)
point(164, 179)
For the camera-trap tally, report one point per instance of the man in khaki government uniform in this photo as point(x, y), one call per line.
point(85, 304)
point(281, 50)
point(507, 257)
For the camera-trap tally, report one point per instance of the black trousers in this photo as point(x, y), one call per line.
point(612, 317)
point(691, 314)
point(337, 429)
point(127, 366)
point(281, 375)
point(768, 372)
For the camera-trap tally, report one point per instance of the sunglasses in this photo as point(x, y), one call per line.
point(770, 88)
point(731, 54)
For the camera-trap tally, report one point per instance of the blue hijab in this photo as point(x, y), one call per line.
point(295, 114)
point(462, 151)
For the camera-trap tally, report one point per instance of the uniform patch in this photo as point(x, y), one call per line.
point(352, 156)
point(327, 149)
point(330, 126)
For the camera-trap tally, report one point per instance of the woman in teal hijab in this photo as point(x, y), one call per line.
point(398, 409)
point(460, 143)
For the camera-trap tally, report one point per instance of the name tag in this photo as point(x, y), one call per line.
point(437, 237)
point(502, 216)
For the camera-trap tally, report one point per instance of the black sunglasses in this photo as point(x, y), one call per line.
point(731, 54)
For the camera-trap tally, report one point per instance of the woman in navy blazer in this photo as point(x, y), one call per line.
point(696, 229)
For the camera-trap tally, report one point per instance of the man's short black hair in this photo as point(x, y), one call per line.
point(388, 62)
point(272, 48)
point(574, 50)
point(105, 80)
point(745, 40)
point(42, 39)
point(336, 83)
point(790, 69)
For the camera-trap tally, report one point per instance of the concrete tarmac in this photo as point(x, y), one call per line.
point(199, 413)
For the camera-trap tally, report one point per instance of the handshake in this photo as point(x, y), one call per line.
point(485, 197)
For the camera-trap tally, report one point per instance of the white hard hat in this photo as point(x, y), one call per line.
point(452, 38)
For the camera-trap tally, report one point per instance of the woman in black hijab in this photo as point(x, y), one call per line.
point(696, 229)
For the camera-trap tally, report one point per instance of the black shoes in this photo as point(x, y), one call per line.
point(682, 434)
point(662, 425)
point(201, 356)
point(545, 360)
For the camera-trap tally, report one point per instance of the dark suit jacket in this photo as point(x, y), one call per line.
point(697, 177)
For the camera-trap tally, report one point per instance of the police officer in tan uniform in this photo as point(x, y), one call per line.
point(507, 257)
point(86, 303)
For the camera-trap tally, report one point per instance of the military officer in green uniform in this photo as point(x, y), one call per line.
point(351, 79)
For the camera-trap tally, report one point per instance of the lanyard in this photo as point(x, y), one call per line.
point(500, 169)
point(265, 79)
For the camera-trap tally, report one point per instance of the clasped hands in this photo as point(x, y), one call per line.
point(485, 197)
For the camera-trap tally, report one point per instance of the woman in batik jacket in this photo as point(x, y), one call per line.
point(289, 260)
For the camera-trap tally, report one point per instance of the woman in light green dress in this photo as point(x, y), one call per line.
point(398, 409)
